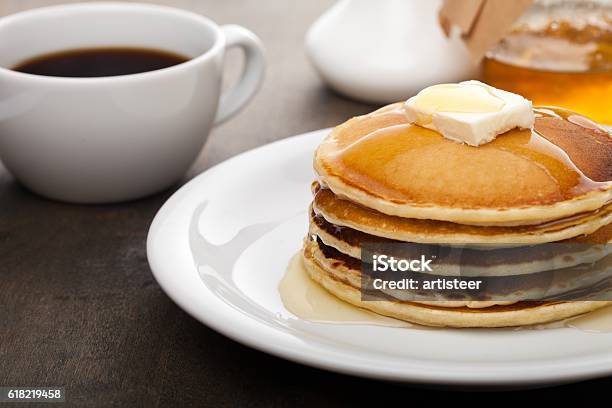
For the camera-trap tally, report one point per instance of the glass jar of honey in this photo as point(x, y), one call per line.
point(558, 53)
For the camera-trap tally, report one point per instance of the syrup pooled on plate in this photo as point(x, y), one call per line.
point(599, 321)
point(307, 300)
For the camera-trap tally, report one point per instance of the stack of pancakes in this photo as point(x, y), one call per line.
point(531, 214)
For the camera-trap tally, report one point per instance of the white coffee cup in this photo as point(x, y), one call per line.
point(107, 139)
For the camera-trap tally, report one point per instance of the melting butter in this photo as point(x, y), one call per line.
point(469, 112)
point(307, 300)
point(467, 98)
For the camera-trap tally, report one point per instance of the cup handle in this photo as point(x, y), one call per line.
point(238, 95)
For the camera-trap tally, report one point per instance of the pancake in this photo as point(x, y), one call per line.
point(453, 261)
point(579, 281)
point(348, 214)
point(527, 215)
point(455, 314)
point(524, 177)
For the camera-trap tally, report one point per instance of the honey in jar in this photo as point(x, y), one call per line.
point(558, 54)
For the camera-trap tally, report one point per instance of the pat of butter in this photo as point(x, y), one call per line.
point(469, 112)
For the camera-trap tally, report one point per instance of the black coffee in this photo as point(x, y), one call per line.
point(100, 62)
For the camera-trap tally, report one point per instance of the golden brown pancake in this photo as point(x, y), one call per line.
point(446, 313)
point(465, 261)
point(580, 281)
point(346, 213)
point(522, 177)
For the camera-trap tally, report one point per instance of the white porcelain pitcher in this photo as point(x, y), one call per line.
point(386, 50)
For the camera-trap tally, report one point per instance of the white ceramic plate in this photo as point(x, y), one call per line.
point(220, 246)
